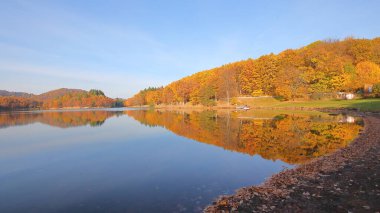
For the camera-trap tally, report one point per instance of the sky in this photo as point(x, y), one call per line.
point(124, 46)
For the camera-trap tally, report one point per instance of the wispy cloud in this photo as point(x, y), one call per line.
point(46, 40)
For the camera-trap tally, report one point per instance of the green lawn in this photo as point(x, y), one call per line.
point(372, 105)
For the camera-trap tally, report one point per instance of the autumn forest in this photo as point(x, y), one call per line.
point(60, 98)
point(318, 70)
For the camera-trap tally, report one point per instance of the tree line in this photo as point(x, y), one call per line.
point(311, 72)
point(62, 98)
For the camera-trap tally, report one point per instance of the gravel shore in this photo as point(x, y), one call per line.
point(345, 181)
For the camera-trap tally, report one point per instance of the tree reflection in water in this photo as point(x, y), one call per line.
point(293, 138)
point(62, 119)
point(287, 136)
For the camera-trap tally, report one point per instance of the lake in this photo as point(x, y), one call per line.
point(125, 160)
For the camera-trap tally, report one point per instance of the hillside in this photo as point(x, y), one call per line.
point(44, 96)
point(16, 94)
point(60, 98)
point(318, 70)
point(58, 93)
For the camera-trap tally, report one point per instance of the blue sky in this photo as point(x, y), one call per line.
point(121, 47)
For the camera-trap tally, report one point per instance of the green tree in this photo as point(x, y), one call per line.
point(96, 92)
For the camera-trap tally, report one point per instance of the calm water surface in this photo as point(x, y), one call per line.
point(152, 161)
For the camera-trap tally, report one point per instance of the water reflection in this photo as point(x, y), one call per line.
point(62, 119)
point(293, 138)
point(125, 165)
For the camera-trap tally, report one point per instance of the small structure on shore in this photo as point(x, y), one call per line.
point(346, 95)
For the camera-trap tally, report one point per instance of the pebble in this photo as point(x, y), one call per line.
point(366, 207)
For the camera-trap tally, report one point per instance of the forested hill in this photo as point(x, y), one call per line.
point(320, 68)
point(16, 94)
point(60, 98)
point(58, 93)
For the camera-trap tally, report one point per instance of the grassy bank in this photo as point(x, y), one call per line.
point(372, 105)
point(364, 105)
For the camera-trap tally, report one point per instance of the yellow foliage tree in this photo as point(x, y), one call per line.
point(367, 73)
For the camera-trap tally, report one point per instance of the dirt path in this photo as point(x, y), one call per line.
point(346, 181)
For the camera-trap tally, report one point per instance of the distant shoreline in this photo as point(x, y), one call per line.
point(64, 108)
point(315, 186)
